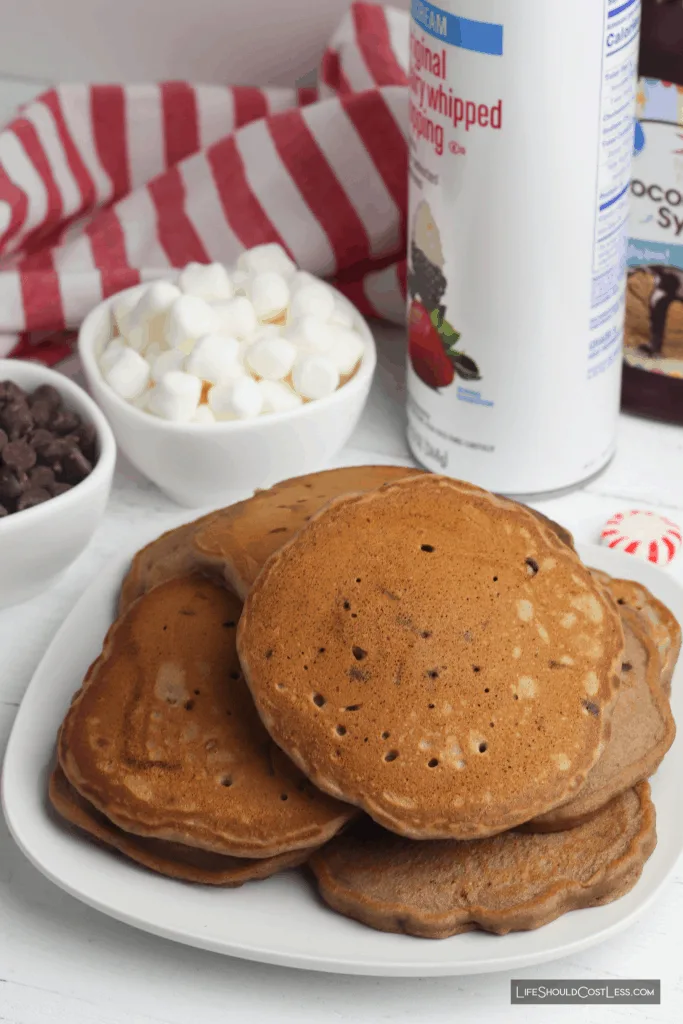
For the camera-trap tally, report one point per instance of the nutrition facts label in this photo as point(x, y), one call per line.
point(619, 78)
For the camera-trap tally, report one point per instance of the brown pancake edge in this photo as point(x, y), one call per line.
point(167, 557)
point(232, 544)
point(643, 730)
point(183, 863)
point(511, 882)
point(164, 740)
point(345, 626)
point(661, 622)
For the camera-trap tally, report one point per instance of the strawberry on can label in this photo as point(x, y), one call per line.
point(521, 137)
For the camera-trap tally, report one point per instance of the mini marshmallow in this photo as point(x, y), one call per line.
point(269, 293)
point(122, 308)
point(203, 415)
point(314, 376)
point(153, 351)
point(278, 396)
point(176, 396)
point(111, 353)
point(209, 281)
point(347, 349)
point(236, 318)
point(267, 331)
point(146, 322)
point(266, 257)
point(156, 298)
point(188, 319)
point(128, 375)
point(240, 399)
point(301, 278)
point(342, 316)
point(240, 281)
point(172, 359)
point(310, 334)
point(215, 358)
point(271, 358)
point(314, 299)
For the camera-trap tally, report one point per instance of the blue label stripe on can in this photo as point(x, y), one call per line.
point(479, 36)
point(621, 8)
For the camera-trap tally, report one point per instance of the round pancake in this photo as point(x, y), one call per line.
point(164, 739)
point(643, 729)
point(662, 623)
point(511, 882)
point(168, 557)
point(185, 863)
point(247, 533)
point(426, 652)
point(234, 543)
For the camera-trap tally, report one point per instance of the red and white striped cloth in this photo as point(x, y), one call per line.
point(103, 186)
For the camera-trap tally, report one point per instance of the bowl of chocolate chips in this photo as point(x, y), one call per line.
point(57, 456)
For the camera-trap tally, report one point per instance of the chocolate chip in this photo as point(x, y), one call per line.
point(19, 455)
point(33, 496)
point(87, 440)
point(10, 484)
point(45, 448)
point(42, 413)
point(41, 438)
point(9, 391)
point(55, 451)
point(64, 421)
point(75, 466)
point(48, 395)
point(16, 418)
point(41, 476)
point(60, 488)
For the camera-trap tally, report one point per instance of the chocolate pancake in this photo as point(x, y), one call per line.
point(164, 740)
point(643, 729)
point(663, 625)
point(427, 652)
point(185, 863)
point(511, 882)
point(168, 557)
point(234, 543)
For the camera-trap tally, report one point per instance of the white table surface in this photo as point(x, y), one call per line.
point(64, 963)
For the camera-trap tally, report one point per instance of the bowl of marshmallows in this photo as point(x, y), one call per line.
point(228, 379)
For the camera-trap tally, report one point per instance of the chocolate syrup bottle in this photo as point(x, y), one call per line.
point(653, 355)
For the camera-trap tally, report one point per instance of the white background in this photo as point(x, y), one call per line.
point(245, 42)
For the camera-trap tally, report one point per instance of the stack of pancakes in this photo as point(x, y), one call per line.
point(412, 685)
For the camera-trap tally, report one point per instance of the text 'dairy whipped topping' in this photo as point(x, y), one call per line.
point(521, 120)
point(224, 344)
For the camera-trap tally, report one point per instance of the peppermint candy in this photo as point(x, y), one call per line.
point(646, 535)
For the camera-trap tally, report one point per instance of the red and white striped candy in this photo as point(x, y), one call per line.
point(643, 534)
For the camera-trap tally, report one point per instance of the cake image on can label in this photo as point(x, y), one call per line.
point(654, 300)
point(432, 340)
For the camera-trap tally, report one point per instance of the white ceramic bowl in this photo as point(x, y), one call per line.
point(38, 544)
point(199, 464)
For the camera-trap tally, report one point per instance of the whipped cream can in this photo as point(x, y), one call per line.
point(522, 125)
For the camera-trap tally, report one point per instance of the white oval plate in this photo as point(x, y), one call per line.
point(281, 921)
